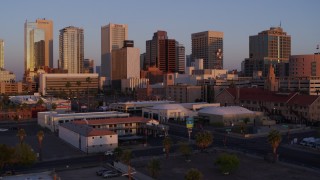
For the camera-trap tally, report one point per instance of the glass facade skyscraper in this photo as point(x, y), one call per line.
point(38, 46)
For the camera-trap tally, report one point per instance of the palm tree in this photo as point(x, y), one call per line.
point(126, 158)
point(185, 150)
point(193, 174)
point(68, 85)
point(21, 134)
point(204, 139)
point(167, 145)
point(274, 138)
point(118, 153)
point(40, 136)
point(78, 84)
point(88, 80)
point(154, 167)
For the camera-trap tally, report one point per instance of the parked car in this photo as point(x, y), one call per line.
point(109, 152)
point(100, 172)
point(111, 174)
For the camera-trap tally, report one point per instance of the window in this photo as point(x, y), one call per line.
point(92, 137)
point(100, 137)
point(110, 136)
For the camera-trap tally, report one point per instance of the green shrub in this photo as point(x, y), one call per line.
point(227, 163)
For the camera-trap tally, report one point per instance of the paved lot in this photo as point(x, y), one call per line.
point(52, 147)
point(250, 168)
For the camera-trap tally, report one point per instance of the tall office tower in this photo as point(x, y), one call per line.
point(112, 37)
point(161, 52)
point(270, 46)
point(71, 49)
point(189, 60)
point(88, 66)
point(38, 46)
point(1, 54)
point(208, 45)
point(181, 58)
point(125, 63)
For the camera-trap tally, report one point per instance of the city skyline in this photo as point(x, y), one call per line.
point(237, 20)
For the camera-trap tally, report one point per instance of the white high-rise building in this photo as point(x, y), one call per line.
point(112, 37)
point(71, 49)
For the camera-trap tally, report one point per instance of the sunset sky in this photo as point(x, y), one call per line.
point(238, 19)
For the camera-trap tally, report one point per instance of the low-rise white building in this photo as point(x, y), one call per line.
point(227, 115)
point(135, 105)
point(52, 119)
point(166, 112)
point(88, 139)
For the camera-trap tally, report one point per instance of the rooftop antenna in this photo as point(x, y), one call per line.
point(280, 23)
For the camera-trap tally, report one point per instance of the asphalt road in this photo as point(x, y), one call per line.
point(255, 146)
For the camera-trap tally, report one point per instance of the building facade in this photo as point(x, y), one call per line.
point(181, 58)
point(38, 46)
point(88, 139)
point(184, 93)
point(304, 65)
point(125, 63)
point(269, 46)
point(112, 37)
point(161, 52)
point(7, 76)
point(88, 66)
point(56, 83)
point(71, 49)
point(208, 45)
point(291, 107)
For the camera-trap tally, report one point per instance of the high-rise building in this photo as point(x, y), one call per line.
point(161, 52)
point(181, 58)
point(125, 65)
point(71, 49)
point(269, 46)
point(88, 66)
point(208, 45)
point(38, 46)
point(112, 37)
point(189, 60)
point(1, 54)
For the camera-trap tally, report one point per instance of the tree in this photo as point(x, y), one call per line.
point(21, 134)
point(6, 155)
point(40, 136)
point(185, 149)
point(24, 154)
point(193, 174)
point(154, 167)
point(78, 84)
point(53, 106)
point(126, 158)
point(88, 80)
point(317, 91)
point(40, 102)
point(204, 139)
point(118, 153)
point(227, 163)
point(274, 138)
point(167, 142)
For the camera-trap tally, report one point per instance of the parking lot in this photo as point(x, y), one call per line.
point(53, 148)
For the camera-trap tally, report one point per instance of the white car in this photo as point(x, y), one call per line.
point(109, 152)
point(3, 130)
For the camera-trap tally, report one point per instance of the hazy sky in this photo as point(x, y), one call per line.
point(238, 19)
